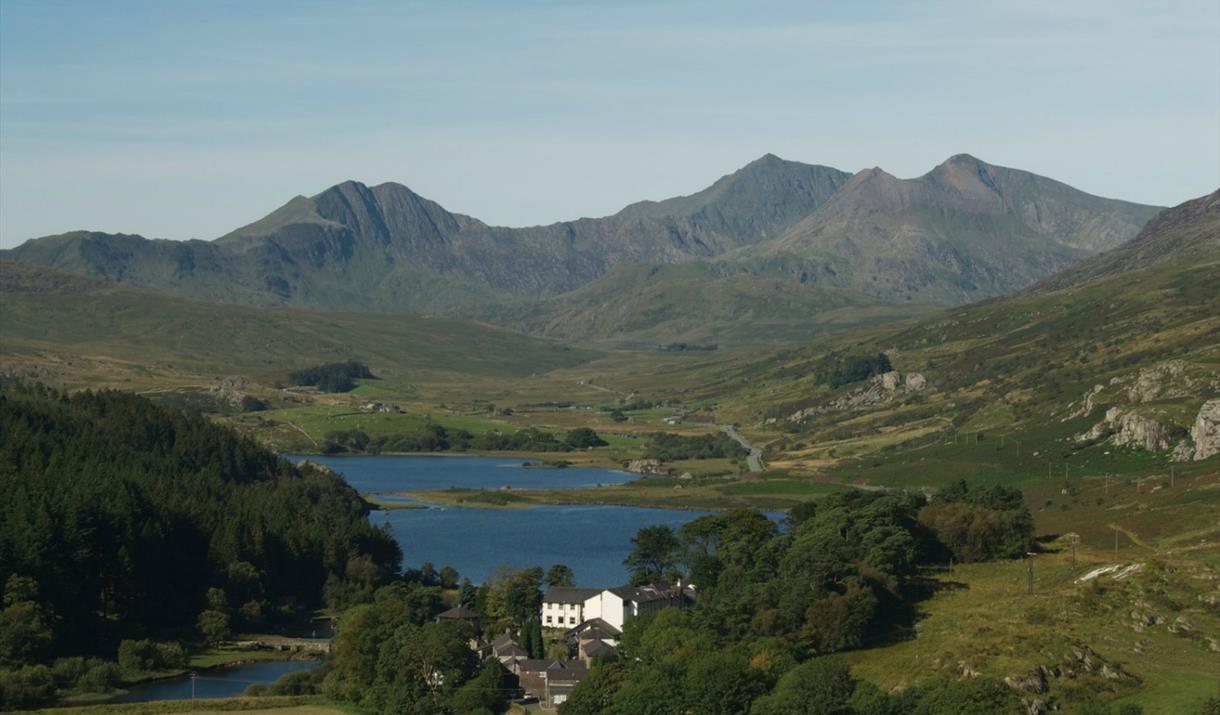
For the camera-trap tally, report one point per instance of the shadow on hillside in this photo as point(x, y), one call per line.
point(901, 616)
point(1041, 543)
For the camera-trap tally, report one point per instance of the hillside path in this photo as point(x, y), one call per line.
point(753, 462)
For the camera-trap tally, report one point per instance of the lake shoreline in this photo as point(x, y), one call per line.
point(586, 460)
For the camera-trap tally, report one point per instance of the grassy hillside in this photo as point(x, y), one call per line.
point(727, 303)
point(57, 324)
point(1007, 385)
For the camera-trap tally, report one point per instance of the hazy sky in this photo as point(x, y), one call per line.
point(179, 120)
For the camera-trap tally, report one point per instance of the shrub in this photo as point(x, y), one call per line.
point(250, 403)
point(26, 687)
point(145, 655)
point(852, 368)
point(301, 682)
point(101, 676)
point(669, 447)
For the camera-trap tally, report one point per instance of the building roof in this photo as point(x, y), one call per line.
point(595, 628)
point(640, 594)
point(595, 648)
point(458, 613)
point(570, 671)
point(512, 650)
point(532, 665)
point(569, 594)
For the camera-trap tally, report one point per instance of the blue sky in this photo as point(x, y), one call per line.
point(181, 120)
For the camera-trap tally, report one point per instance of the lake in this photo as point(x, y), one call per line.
point(225, 682)
point(591, 539)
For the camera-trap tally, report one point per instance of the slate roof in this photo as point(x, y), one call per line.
point(596, 648)
point(457, 613)
point(640, 594)
point(512, 650)
point(595, 628)
point(532, 665)
point(569, 594)
point(566, 671)
point(502, 640)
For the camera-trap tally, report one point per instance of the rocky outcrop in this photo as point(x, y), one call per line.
point(1206, 431)
point(1128, 429)
point(647, 466)
point(1086, 404)
point(880, 390)
point(1165, 380)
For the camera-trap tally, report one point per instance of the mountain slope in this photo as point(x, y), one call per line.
point(777, 229)
point(56, 321)
point(733, 302)
point(1044, 368)
point(1191, 230)
point(964, 231)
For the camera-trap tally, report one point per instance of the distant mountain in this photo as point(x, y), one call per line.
point(964, 231)
point(1188, 231)
point(778, 240)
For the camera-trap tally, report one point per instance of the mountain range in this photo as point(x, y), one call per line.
point(785, 247)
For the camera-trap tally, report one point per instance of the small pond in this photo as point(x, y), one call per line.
point(223, 682)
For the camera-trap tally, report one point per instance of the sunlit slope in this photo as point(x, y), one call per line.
point(49, 313)
point(1040, 370)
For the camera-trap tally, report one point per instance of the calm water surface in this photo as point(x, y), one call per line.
point(591, 539)
point(217, 682)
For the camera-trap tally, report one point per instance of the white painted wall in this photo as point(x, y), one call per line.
point(562, 615)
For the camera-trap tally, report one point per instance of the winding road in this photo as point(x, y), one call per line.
point(753, 462)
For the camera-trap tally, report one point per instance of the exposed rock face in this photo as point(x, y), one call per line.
point(1206, 431)
point(1184, 452)
point(1136, 431)
point(1129, 430)
point(1086, 404)
point(1032, 684)
point(647, 466)
point(1158, 382)
point(880, 390)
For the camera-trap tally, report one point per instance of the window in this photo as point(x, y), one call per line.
point(548, 620)
point(571, 620)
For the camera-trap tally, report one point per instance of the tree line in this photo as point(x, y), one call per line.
point(670, 447)
point(435, 437)
point(121, 520)
point(333, 376)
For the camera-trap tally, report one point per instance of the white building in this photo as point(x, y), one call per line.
point(567, 607)
point(563, 606)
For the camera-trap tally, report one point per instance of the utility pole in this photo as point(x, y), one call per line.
point(1029, 573)
point(1073, 539)
point(194, 676)
point(1171, 476)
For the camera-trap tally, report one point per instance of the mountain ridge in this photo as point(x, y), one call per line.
point(965, 230)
